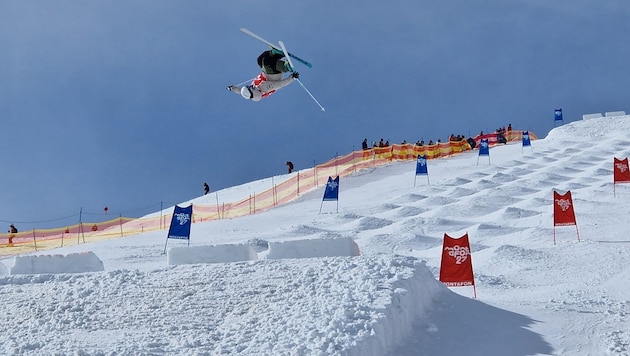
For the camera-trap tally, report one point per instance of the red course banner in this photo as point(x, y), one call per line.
point(621, 171)
point(456, 266)
point(563, 213)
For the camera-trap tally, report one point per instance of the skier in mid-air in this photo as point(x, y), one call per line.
point(270, 79)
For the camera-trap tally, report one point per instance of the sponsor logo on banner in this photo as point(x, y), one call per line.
point(564, 204)
point(182, 218)
point(459, 253)
point(333, 185)
point(459, 284)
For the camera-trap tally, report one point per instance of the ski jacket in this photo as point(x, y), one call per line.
point(264, 85)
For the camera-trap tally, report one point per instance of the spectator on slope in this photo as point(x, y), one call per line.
point(500, 137)
point(12, 231)
point(364, 145)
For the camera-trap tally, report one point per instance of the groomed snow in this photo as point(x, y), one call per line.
point(296, 287)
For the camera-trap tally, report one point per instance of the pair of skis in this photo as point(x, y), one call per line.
point(280, 47)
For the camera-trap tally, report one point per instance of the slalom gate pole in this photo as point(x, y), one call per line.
point(577, 231)
point(34, 240)
point(309, 93)
point(218, 209)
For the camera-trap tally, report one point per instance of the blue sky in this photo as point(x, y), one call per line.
point(123, 103)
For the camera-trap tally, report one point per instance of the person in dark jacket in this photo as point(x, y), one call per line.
point(12, 231)
point(206, 188)
point(290, 166)
point(471, 142)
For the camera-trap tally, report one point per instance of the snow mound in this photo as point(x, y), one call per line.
point(70, 263)
point(310, 248)
point(313, 248)
point(319, 306)
point(210, 254)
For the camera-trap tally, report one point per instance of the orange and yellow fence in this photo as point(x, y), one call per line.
point(302, 182)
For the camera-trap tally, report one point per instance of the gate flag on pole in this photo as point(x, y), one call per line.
point(456, 266)
point(180, 224)
point(563, 213)
point(484, 149)
point(557, 116)
point(332, 189)
point(621, 173)
point(526, 140)
point(421, 168)
point(331, 193)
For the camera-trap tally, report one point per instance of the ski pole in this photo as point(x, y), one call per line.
point(309, 93)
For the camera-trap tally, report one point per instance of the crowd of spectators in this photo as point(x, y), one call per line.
point(500, 132)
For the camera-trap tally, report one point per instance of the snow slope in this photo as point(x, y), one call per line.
point(534, 297)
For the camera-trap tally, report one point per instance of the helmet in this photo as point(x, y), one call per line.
point(246, 92)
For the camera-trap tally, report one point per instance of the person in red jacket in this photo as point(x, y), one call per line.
point(269, 80)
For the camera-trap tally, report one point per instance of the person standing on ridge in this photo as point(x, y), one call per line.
point(12, 231)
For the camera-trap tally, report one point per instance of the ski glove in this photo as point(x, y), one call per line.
point(295, 75)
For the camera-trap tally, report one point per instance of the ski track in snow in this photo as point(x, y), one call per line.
point(534, 297)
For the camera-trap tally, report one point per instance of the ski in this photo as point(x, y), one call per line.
point(275, 46)
point(286, 55)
